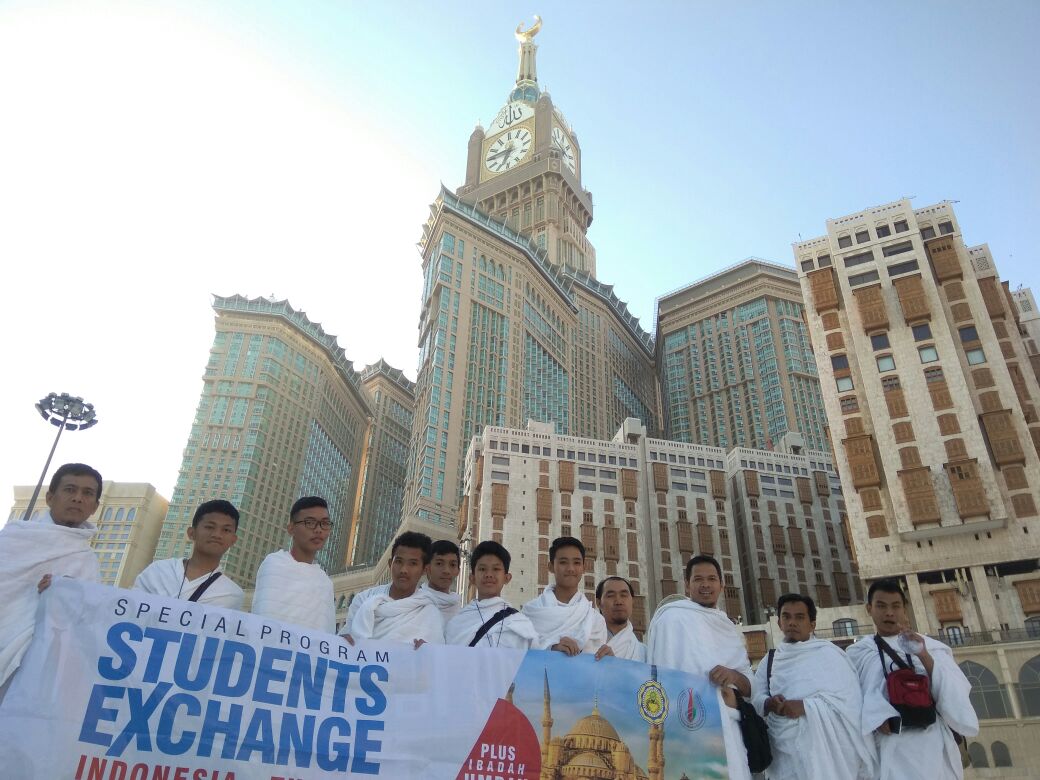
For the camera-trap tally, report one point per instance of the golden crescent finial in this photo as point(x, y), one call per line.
point(525, 36)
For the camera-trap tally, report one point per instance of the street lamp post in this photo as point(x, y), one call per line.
point(64, 411)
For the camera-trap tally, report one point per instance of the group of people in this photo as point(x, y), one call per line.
point(830, 714)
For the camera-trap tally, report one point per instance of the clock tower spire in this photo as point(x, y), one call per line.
point(527, 73)
point(525, 169)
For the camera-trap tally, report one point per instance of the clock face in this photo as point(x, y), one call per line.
point(563, 145)
point(508, 150)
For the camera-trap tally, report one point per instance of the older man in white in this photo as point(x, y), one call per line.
point(694, 636)
point(55, 544)
point(615, 597)
point(907, 753)
point(808, 692)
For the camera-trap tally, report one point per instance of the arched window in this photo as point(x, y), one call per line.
point(845, 627)
point(1029, 686)
point(131, 514)
point(1033, 626)
point(978, 755)
point(119, 514)
point(988, 696)
point(1001, 754)
point(108, 514)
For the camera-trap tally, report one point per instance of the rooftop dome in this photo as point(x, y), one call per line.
point(594, 726)
point(587, 759)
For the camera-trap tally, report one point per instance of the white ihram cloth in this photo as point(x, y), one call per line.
point(625, 644)
point(398, 620)
point(360, 598)
point(167, 578)
point(30, 549)
point(515, 631)
point(294, 592)
point(686, 636)
point(916, 754)
point(828, 741)
point(576, 619)
point(448, 603)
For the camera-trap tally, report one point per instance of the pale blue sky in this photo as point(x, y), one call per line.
point(156, 153)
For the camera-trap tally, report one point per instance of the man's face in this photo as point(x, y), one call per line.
point(490, 576)
point(442, 571)
point(406, 569)
point(568, 567)
point(616, 603)
point(888, 611)
point(214, 534)
point(794, 622)
point(704, 585)
point(74, 500)
point(306, 529)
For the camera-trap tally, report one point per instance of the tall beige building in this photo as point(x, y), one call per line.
point(643, 506)
point(735, 363)
point(1028, 325)
point(514, 324)
point(128, 518)
point(932, 403)
point(282, 414)
point(380, 497)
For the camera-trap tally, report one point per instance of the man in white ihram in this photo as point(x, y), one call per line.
point(692, 635)
point(808, 692)
point(615, 597)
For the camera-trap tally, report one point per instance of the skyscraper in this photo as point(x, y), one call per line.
point(735, 363)
point(514, 324)
point(932, 409)
point(282, 414)
point(380, 497)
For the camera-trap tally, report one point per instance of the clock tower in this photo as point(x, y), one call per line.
point(525, 169)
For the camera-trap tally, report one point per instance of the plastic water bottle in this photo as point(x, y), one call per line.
point(909, 643)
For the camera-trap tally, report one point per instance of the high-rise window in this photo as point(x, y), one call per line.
point(928, 354)
point(922, 332)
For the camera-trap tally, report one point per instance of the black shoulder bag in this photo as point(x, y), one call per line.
point(753, 729)
point(204, 586)
point(493, 621)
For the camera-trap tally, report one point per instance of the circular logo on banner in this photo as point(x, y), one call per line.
point(691, 709)
point(653, 702)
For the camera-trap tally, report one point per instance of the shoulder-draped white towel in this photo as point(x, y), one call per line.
point(686, 636)
point(398, 620)
point(30, 549)
point(916, 754)
point(448, 603)
point(166, 578)
point(516, 631)
point(625, 644)
point(295, 592)
point(577, 619)
point(828, 740)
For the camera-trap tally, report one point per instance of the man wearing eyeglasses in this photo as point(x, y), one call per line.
point(290, 585)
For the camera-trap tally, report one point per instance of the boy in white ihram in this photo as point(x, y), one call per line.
point(564, 618)
point(441, 573)
point(290, 585)
point(214, 528)
point(489, 620)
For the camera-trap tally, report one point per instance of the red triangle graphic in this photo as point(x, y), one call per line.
point(507, 748)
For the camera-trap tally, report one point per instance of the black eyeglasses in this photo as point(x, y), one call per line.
point(313, 524)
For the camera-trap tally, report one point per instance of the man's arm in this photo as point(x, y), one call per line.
point(724, 676)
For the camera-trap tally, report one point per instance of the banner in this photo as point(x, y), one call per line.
point(122, 685)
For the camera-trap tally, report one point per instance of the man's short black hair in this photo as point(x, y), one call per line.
point(702, 559)
point(217, 506)
point(489, 548)
point(75, 470)
point(603, 582)
point(887, 585)
point(415, 541)
point(789, 598)
point(307, 502)
point(445, 547)
point(565, 541)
